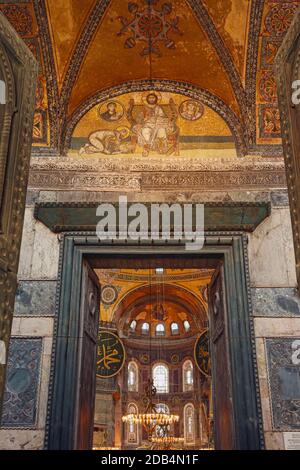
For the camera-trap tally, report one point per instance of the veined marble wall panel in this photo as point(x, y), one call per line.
point(45, 253)
point(271, 252)
point(39, 250)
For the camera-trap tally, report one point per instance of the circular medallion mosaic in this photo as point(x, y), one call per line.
point(191, 110)
point(109, 295)
point(202, 354)
point(110, 355)
point(144, 358)
point(175, 359)
point(112, 111)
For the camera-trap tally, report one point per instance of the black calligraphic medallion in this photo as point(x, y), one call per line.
point(202, 354)
point(110, 355)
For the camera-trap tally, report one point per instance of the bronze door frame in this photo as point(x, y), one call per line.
point(231, 248)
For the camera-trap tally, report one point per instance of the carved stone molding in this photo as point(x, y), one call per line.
point(213, 180)
point(140, 164)
point(156, 174)
point(59, 180)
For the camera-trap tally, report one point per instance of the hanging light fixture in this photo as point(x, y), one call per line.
point(151, 419)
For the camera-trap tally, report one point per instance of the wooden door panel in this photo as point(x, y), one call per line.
point(90, 306)
point(18, 72)
point(223, 410)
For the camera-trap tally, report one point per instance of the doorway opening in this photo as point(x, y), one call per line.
point(180, 348)
point(164, 366)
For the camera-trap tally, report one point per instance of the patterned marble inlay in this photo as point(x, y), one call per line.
point(22, 382)
point(35, 298)
point(284, 382)
point(275, 302)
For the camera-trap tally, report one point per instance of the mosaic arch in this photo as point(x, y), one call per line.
point(151, 122)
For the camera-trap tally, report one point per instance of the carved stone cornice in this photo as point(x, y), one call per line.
point(170, 173)
point(68, 180)
point(140, 164)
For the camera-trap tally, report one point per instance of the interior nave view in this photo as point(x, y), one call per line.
point(153, 386)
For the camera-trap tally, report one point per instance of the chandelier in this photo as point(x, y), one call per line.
point(147, 419)
point(167, 440)
point(151, 419)
point(156, 421)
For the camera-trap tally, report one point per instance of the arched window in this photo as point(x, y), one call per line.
point(174, 329)
point(187, 376)
point(160, 330)
point(133, 326)
point(186, 325)
point(189, 424)
point(145, 328)
point(133, 377)
point(160, 375)
point(132, 428)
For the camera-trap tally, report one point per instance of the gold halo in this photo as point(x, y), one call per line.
point(146, 93)
point(124, 128)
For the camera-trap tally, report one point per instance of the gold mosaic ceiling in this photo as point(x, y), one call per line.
point(222, 50)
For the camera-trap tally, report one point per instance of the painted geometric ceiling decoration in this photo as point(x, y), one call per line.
point(150, 26)
point(217, 53)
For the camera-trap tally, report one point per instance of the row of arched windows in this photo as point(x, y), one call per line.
point(188, 420)
point(160, 329)
point(160, 376)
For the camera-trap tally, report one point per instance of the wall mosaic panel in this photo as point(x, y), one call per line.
point(284, 382)
point(277, 17)
point(147, 123)
point(22, 383)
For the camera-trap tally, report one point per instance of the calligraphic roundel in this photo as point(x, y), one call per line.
point(202, 354)
point(110, 354)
